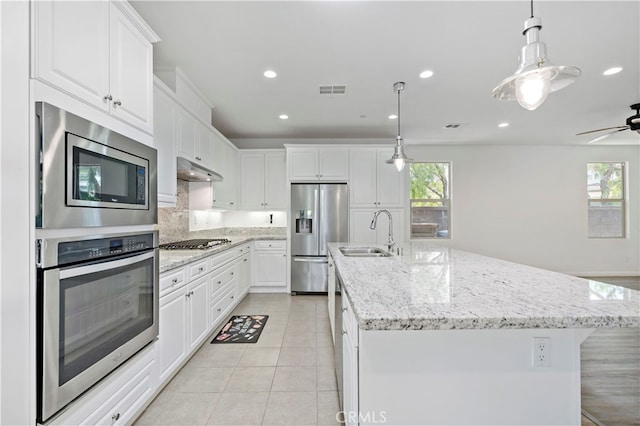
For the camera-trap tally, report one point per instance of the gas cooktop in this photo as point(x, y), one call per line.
point(196, 244)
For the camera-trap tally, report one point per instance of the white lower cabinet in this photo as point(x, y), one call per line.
point(244, 275)
point(331, 294)
point(269, 266)
point(350, 363)
point(119, 397)
point(172, 344)
point(126, 401)
point(198, 325)
point(194, 300)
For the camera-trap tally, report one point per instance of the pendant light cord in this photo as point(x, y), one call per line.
point(398, 111)
point(532, 8)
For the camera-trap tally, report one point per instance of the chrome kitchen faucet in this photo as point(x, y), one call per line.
point(374, 222)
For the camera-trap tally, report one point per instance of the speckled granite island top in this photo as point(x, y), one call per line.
point(434, 287)
point(171, 259)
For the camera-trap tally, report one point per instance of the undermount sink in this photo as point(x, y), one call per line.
point(363, 252)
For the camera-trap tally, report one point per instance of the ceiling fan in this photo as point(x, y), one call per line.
point(633, 123)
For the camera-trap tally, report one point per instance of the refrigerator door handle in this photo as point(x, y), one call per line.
point(311, 259)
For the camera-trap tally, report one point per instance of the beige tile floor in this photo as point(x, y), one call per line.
point(287, 377)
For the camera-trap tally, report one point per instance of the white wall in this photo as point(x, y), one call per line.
point(17, 385)
point(528, 204)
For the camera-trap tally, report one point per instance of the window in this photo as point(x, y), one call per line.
point(430, 200)
point(605, 200)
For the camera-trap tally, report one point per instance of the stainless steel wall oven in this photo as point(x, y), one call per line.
point(97, 299)
point(90, 175)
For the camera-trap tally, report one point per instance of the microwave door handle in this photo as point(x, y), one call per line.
point(105, 266)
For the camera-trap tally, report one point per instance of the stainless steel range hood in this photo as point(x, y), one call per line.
point(193, 172)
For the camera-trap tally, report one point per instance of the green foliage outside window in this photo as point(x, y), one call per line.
point(429, 181)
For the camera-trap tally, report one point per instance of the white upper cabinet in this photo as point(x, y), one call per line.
point(263, 180)
point(164, 136)
point(225, 160)
point(131, 76)
point(318, 164)
point(372, 182)
point(99, 52)
point(275, 180)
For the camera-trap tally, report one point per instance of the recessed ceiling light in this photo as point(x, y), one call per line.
point(393, 117)
point(270, 74)
point(283, 116)
point(612, 71)
point(426, 74)
point(504, 124)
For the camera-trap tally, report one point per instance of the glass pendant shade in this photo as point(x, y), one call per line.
point(536, 76)
point(533, 88)
point(399, 158)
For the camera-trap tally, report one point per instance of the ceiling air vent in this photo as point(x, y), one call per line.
point(333, 89)
point(452, 126)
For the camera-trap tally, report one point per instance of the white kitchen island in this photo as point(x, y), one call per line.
point(450, 337)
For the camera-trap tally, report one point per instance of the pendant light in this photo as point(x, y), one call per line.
point(536, 76)
point(399, 158)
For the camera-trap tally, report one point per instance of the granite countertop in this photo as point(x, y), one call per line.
point(437, 288)
point(171, 259)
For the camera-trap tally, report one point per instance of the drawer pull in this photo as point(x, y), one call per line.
point(219, 282)
point(232, 297)
point(232, 273)
point(244, 260)
point(344, 332)
point(219, 309)
point(201, 268)
point(115, 417)
point(174, 281)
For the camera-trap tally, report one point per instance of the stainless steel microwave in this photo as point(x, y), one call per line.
point(91, 176)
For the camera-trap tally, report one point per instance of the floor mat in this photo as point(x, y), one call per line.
point(242, 329)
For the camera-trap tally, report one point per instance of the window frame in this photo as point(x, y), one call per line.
point(445, 203)
point(622, 200)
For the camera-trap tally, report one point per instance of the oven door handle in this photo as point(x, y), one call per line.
point(105, 266)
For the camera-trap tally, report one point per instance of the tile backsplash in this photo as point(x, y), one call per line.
point(179, 223)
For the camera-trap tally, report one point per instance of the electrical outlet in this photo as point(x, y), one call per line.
point(541, 352)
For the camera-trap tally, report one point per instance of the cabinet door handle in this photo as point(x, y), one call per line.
point(198, 158)
point(232, 297)
point(192, 292)
point(115, 417)
point(244, 260)
point(219, 282)
point(219, 309)
point(117, 102)
point(344, 332)
point(108, 97)
point(231, 203)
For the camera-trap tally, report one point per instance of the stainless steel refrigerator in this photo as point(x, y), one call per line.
point(319, 215)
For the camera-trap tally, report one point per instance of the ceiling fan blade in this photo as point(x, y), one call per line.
point(606, 135)
point(602, 130)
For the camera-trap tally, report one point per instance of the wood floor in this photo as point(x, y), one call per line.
point(611, 372)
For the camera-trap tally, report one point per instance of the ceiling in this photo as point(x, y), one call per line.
point(225, 46)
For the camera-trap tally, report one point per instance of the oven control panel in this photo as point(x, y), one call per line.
point(77, 251)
